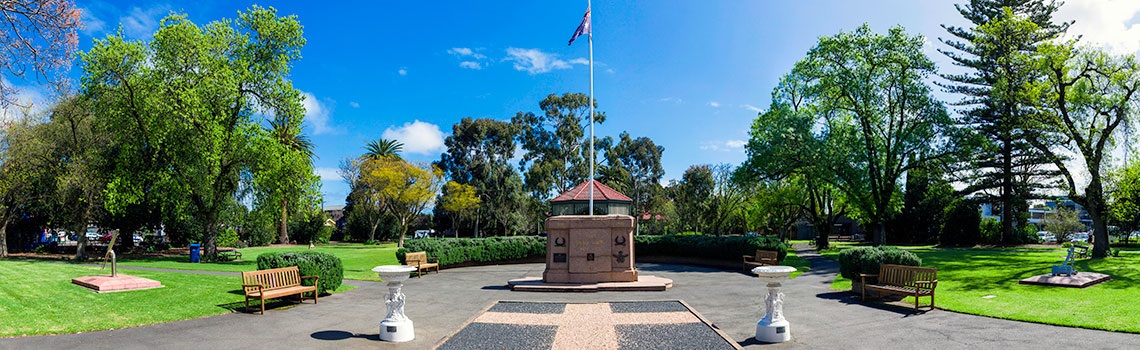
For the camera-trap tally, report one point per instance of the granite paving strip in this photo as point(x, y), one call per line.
point(592, 325)
point(501, 336)
point(679, 336)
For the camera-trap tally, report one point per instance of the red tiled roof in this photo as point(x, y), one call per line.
point(582, 193)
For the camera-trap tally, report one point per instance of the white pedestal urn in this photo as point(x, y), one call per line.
point(395, 327)
point(773, 328)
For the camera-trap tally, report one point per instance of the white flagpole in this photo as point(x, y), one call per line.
point(591, 38)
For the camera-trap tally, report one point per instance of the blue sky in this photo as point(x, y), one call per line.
point(691, 75)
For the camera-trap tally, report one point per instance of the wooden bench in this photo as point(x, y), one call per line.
point(1080, 251)
point(762, 258)
point(422, 262)
point(276, 283)
point(902, 280)
point(228, 254)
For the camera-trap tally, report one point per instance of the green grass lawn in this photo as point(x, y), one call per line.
point(39, 299)
point(984, 282)
point(801, 264)
point(358, 259)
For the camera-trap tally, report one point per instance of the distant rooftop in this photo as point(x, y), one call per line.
point(582, 193)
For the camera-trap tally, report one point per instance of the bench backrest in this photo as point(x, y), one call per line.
point(272, 278)
point(416, 258)
point(767, 256)
point(902, 275)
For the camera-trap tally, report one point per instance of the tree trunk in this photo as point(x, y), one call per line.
point(403, 228)
point(282, 228)
point(1007, 193)
point(1094, 203)
point(4, 237)
point(879, 233)
point(209, 242)
point(372, 233)
point(455, 224)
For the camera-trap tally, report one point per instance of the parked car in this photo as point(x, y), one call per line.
point(1079, 237)
point(1047, 237)
point(138, 238)
point(92, 233)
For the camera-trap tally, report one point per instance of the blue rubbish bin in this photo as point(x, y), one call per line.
point(195, 252)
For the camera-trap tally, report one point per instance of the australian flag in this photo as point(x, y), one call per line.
point(583, 28)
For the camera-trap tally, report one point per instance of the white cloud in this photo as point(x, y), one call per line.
point(402, 71)
point(317, 115)
point(714, 104)
point(471, 65)
point(327, 174)
point(534, 61)
point(1108, 23)
point(466, 52)
point(354, 104)
point(140, 23)
point(29, 101)
point(751, 108)
point(91, 24)
point(610, 70)
point(417, 137)
point(723, 146)
point(579, 60)
point(671, 99)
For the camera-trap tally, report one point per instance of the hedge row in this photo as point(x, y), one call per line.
point(452, 251)
point(729, 248)
point(855, 261)
point(327, 266)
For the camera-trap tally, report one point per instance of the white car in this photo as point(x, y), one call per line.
point(1079, 237)
point(1047, 236)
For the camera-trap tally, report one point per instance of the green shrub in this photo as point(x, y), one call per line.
point(729, 248)
point(327, 266)
point(859, 260)
point(452, 251)
point(991, 231)
point(1067, 245)
point(228, 238)
point(962, 226)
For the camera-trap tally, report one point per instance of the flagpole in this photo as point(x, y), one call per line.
point(591, 39)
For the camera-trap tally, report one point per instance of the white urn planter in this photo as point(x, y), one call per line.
point(773, 328)
point(395, 327)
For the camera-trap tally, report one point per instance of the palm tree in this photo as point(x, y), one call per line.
point(288, 133)
point(383, 148)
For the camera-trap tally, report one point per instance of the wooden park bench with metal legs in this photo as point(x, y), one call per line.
point(762, 258)
point(902, 280)
point(422, 262)
point(276, 283)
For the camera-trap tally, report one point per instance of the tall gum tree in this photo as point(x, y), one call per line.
point(183, 105)
point(1088, 98)
point(857, 115)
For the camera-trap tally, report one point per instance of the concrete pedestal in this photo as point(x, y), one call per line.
point(395, 327)
point(775, 332)
point(397, 331)
point(773, 328)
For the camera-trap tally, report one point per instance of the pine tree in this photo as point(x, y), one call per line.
point(1005, 162)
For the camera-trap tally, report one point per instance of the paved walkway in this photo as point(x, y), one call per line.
point(441, 303)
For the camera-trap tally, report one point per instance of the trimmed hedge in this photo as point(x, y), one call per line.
point(707, 247)
point(855, 261)
point(327, 266)
point(453, 251)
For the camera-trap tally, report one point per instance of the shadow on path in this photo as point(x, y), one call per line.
point(342, 335)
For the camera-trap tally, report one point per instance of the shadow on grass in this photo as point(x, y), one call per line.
point(342, 335)
point(185, 260)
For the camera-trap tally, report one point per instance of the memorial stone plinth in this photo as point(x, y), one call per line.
point(773, 328)
point(396, 327)
point(589, 249)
